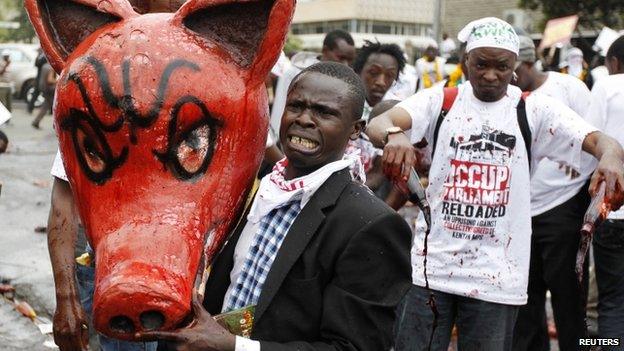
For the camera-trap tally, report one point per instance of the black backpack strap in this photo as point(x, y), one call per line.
point(437, 130)
point(523, 123)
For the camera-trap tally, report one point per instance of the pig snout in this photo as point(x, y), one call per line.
point(143, 283)
point(139, 299)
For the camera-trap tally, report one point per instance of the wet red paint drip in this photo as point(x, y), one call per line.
point(431, 302)
point(416, 194)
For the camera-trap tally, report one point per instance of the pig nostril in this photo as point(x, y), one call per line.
point(152, 320)
point(121, 324)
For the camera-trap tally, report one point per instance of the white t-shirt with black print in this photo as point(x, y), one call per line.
point(479, 181)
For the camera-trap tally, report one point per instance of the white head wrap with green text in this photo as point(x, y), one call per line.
point(489, 32)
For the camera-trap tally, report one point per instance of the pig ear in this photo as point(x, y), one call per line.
point(252, 32)
point(63, 24)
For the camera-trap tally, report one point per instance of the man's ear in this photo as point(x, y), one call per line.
point(358, 129)
point(614, 65)
point(251, 32)
point(324, 50)
point(63, 24)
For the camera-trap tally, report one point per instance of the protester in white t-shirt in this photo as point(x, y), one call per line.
point(478, 249)
point(338, 46)
point(430, 68)
point(607, 112)
point(558, 202)
point(379, 66)
point(447, 46)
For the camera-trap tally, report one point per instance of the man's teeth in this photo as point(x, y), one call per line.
point(307, 143)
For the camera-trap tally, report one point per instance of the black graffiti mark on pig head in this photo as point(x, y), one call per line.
point(188, 151)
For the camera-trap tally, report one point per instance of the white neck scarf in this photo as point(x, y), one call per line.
point(275, 190)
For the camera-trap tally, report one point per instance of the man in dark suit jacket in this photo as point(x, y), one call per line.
point(343, 265)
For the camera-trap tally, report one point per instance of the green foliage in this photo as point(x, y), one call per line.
point(293, 44)
point(13, 10)
point(592, 13)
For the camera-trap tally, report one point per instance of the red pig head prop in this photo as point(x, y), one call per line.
point(162, 120)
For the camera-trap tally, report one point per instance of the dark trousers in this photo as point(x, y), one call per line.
point(609, 260)
point(33, 99)
point(44, 109)
point(481, 325)
point(554, 245)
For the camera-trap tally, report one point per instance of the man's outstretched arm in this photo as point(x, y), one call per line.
point(69, 318)
point(398, 152)
point(610, 167)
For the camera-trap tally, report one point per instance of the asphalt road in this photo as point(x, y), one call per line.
point(24, 204)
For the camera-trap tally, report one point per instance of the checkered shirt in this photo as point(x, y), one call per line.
point(266, 243)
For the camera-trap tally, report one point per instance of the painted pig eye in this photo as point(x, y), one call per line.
point(192, 139)
point(193, 149)
point(93, 153)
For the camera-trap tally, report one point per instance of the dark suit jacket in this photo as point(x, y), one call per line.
point(338, 276)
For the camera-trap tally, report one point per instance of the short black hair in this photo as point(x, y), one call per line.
point(617, 49)
point(332, 37)
point(345, 74)
point(377, 48)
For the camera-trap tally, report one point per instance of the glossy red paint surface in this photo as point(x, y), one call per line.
point(162, 129)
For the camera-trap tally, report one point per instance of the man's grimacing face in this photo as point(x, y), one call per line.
point(317, 122)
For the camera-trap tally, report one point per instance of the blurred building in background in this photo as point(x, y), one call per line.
point(7, 10)
point(407, 23)
point(457, 13)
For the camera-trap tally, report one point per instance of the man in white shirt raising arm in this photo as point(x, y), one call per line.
point(483, 149)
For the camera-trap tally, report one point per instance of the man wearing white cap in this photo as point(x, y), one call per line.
point(559, 199)
point(574, 64)
point(484, 148)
